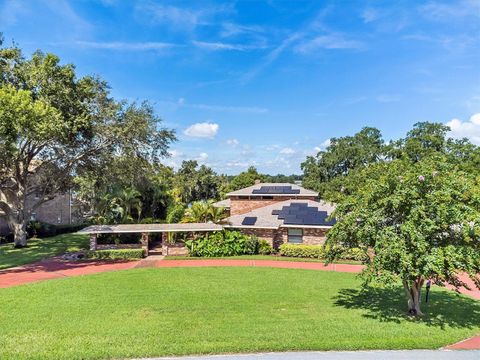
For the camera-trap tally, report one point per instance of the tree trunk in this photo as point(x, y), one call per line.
point(413, 291)
point(17, 221)
point(20, 234)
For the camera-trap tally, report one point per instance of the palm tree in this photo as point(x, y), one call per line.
point(129, 199)
point(203, 211)
point(216, 213)
point(197, 212)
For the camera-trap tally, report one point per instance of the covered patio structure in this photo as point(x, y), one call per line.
point(146, 229)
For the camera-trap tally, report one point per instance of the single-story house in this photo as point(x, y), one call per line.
point(279, 213)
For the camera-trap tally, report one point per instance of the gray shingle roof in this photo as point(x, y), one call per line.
point(222, 204)
point(150, 228)
point(266, 220)
point(249, 191)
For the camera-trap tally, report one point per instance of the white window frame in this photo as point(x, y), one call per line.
point(295, 236)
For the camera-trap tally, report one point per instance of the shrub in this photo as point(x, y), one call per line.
point(68, 228)
point(40, 229)
point(302, 251)
point(264, 247)
point(223, 243)
point(175, 213)
point(319, 252)
point(117, 239)
point(116, 254)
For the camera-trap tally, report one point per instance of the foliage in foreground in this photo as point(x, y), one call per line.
point(116, 254)
point(417, 221)
point(121, 315)
point(224, 243)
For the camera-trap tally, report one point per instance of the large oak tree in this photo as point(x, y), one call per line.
point(55, 125)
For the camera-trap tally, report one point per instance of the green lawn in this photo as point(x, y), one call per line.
point(38, 249)
point(176, 311)
point(261, 257)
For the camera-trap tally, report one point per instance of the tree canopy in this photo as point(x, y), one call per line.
point(54, 125)
point(418, 221)
point(326, 171)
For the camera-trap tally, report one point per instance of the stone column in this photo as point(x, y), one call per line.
point(145, 237)
point(93, 242)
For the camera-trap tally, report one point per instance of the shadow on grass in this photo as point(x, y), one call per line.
point(444, 308)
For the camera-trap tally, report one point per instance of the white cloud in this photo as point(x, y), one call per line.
point(215, 46)
point(322, 146)
point(222, 108)
point(466, 129)
point(11, 11)
point(202, 157)
point(180, 18)
point(126, 46)
point(369, 15)
point(233, 142)
point(176, 153)
point(202, 130)
point(331, 41)
point(444, 11)
point(287, 151)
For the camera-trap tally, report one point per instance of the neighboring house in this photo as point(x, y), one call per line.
point(58, 211)
point(279, 213)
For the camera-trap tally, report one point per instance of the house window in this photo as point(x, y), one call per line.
point(295, 236)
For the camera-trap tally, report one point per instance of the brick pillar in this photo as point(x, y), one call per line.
point(144, 241)
point(93, 242)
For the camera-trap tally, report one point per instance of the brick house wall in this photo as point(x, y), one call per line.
point(280, 236)
point(55, 211)
point(242, 205)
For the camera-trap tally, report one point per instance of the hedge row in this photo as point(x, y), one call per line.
point(319, 252)
point(116, 254)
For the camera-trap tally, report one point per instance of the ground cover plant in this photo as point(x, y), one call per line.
point(162, 312)
point(37, 249)
point(116, 254)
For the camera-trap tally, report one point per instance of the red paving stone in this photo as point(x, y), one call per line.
point(468, 344)
point(57, 268)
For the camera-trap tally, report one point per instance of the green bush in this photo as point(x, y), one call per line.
point(116, 254)
point(264, 247)
point(175, 213)
point(117, 239)
point(302, 251)
point(222, 243)
point(319, 252)
point(40, 229)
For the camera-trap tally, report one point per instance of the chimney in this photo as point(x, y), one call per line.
point(257, 181)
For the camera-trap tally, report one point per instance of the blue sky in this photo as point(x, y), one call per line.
point(267, 83)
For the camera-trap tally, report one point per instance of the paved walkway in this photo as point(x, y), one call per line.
point(343, 355)
point(472, 343)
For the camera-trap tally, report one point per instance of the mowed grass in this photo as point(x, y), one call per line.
point(37, 249)
point(177, 311)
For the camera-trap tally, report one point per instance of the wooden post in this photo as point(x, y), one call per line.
point(144, 241)
point(93, 242)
